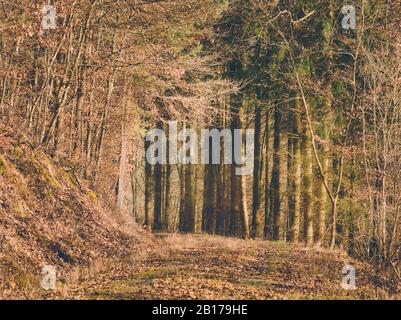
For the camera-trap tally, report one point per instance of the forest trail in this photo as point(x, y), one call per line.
point(206, 267)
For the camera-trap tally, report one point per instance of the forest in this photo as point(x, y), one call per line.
point(315, 83)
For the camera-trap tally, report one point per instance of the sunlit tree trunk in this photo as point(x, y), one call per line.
point(267, 226)
point(323, 197)
point(296, 172)
point(123, 170)
point(308, 188)
point(167, 194)
point(149, 190)
point(158, 194)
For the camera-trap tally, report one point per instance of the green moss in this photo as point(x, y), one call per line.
point(277, 58)
point(51, 179)
point(15, 178)
point(92, 195)
point(46, 172)
point(130, 287)
point(25, 280)
point(2, 165)
point(18, 152)
point(19, 208)
point(304, 66)
point(21, 278)
point(152, 273)
point(339, 88)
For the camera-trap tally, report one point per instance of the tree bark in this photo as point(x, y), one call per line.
point(308, 189)
point(297, 176)
point(257, 226)
point(275, 180)
point(149, 190)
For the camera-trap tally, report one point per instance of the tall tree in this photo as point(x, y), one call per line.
point(275, 179)
point(257, 226)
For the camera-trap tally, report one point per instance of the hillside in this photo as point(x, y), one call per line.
point(50, 217)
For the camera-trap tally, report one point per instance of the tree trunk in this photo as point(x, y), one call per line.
point(297, 176)
point(275, 180)
point(188, 225)
point(209, 198)
point(122, 176)
point(181, 213)
point(257, 227)
point(149, 190)
point(308, 189)
point(158, 194)
point(167, 194)
point(267, 225)
point(323, 196)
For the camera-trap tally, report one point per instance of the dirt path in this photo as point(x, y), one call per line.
point(202, 267)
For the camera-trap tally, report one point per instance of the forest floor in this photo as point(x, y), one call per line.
point(206, 267)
